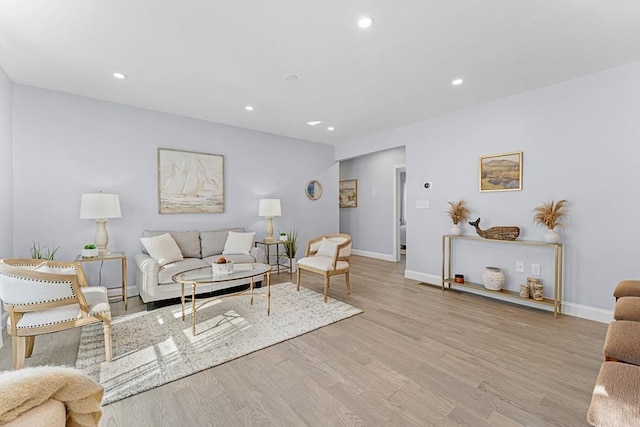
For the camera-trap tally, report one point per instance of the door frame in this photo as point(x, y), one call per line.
point(397, 199)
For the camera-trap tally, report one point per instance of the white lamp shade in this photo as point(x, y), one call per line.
point(99, 206)
point(269, 207)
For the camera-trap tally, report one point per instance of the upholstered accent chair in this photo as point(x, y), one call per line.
point(49, 296)
point(327, 255)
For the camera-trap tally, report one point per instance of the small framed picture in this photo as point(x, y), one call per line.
point(349, 193)
point(501, 172)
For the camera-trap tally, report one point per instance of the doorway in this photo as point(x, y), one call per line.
point(400, 213)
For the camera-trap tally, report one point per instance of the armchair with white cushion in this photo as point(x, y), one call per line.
point(327, 255)
point(49, 296)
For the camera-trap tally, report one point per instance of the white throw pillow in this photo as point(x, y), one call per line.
point(238, 243)
point(327, 248)
point(162, 248)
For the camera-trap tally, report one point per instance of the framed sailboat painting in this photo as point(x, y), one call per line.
point(190, 182)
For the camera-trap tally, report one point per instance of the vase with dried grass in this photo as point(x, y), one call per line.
point(549, 215)
point(458, 213)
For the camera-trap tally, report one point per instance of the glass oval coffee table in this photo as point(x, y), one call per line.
point(205, 276)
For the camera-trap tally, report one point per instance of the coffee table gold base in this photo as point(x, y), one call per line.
point(194, 285)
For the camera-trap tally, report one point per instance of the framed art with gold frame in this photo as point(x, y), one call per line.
point(190, 182)
point(501, 172)
point(348, 191)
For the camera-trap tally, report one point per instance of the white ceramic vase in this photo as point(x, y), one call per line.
point(456, 230)
point(551, 236)
point(493, 278)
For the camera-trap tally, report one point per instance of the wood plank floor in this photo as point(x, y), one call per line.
point(417, 356)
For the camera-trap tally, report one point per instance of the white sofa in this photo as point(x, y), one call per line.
point(199, 249)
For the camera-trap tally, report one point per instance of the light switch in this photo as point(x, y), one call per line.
point(422, 204)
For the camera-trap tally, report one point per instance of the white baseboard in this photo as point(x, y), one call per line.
point(376, 255)
point(568, 308)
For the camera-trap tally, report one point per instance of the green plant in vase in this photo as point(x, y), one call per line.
point(90, 250)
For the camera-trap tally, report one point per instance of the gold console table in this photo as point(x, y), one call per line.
point(448, 279)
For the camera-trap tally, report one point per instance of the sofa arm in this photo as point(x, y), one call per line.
point(147, 271)
point(259, 255)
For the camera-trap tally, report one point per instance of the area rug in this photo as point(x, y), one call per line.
point(156, 347)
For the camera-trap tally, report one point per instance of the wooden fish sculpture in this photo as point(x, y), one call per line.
point(499, 233)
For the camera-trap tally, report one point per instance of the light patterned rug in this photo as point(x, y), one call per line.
point(153, 348)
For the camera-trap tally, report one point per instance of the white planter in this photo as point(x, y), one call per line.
point(89, 253)
point(285, 262)
point(456, 230)
point(283, 238)
point(551, 236)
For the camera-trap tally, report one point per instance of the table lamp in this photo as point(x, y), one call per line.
point(101, 207)
point(269, 208)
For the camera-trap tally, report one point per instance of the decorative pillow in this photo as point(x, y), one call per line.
point(163, 248)
point(213, 241)
point(187, 241)
point(327, 248)
point(238, 243)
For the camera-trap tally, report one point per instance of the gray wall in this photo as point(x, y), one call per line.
point(580, 140)
point(371, 223)
point(66, 145)
point(6, 176)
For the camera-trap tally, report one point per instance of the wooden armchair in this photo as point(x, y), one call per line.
point(327, 255)
point(49, 296)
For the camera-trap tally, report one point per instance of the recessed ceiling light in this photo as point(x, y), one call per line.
point(291, 77)
point(119, 76)
point(314, 122)
point(330, 128)
point(365, 22)
point(457, 82)
point(248, 108)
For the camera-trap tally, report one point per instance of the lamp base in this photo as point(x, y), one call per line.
point(101, 239)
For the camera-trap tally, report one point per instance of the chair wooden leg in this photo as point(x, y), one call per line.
point(19, 348)
point(298, 278)
point(28, 351)
point(346, 279)
point(326, 287)
point(107, 341)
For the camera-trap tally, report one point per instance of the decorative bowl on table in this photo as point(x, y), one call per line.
point(222, 266)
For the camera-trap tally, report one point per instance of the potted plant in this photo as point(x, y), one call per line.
point(549, 214)
point(458, 213)
point(290, 249)
point(44, 252)
point(283, 236)
point(89, 251)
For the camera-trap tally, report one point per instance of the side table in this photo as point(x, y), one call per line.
point(267, 244)
point(113, 256)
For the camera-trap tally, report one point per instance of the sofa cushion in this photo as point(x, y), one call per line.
point(213, 241)
point(621, 342)
point(168, 271)
point(162, 248)
point(615, 397)
point(187, 241)
point(238, 243)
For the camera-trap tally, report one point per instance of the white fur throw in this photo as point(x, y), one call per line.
point(25, 389)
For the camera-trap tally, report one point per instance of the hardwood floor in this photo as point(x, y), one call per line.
point(417, 356)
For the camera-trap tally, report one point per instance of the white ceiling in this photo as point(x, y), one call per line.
point(209, 59)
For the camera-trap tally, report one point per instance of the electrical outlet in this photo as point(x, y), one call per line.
point(520, 266)
point(535, 269)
